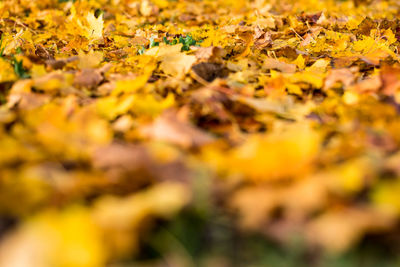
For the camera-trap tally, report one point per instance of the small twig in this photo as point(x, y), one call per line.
point(298, 35)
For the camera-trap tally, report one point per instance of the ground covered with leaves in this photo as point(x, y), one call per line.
point(199, 133)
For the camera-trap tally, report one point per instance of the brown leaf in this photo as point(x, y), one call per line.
point(43, 53)
point(344, 76)
point(366, 26)
point(338, 230)
point(310, 18)
point(371, 84)
point(123, 156)
point(344, 62)
point(262, 39)
point(90, 78)
point(57, 64)
point(211, 54)
point(286, 51)
point(210, 71)
point(169, 127)
point(270, 63)
point(390, 80)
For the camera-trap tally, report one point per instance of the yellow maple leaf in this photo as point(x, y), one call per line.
point(95, 29)
point(277, 155)
point(173, 61)
point(7, 73)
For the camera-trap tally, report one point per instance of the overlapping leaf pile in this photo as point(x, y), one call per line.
point(177, 131)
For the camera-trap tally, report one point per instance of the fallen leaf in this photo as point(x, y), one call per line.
point(169, 127)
